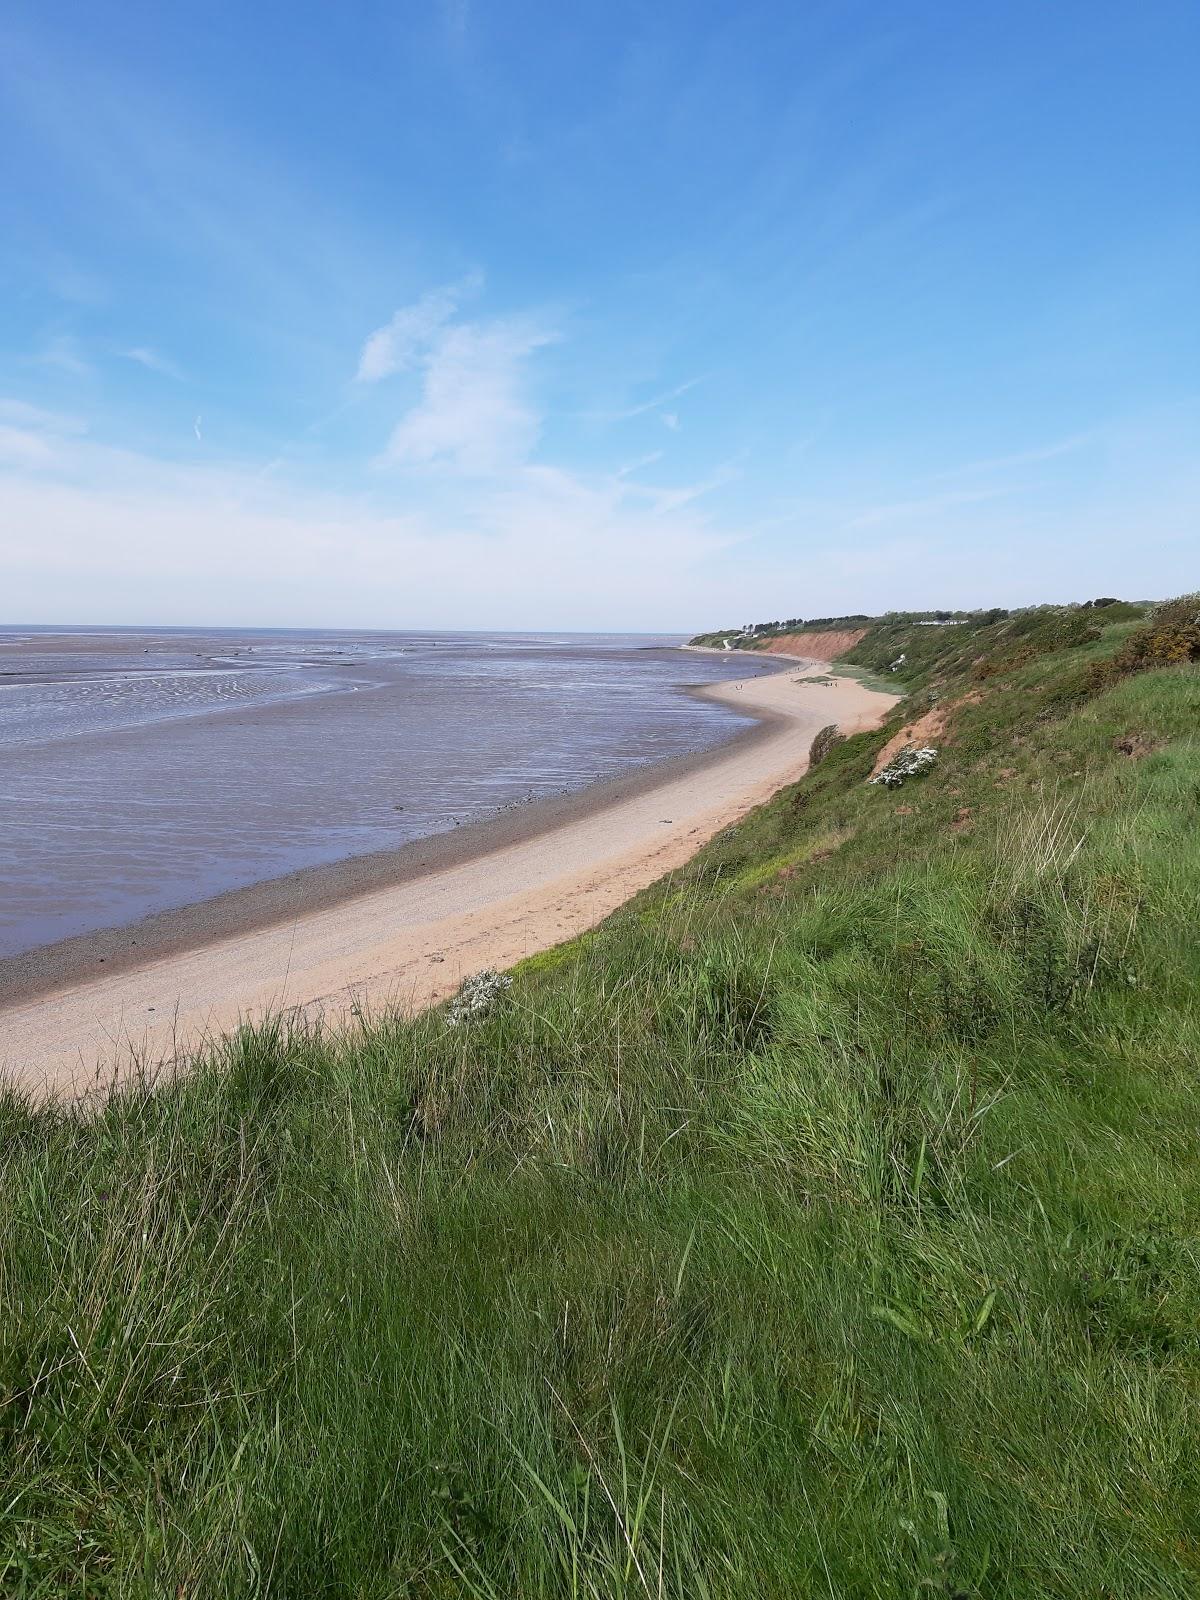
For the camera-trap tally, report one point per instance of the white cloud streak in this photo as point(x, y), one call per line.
point(928, 506)
point(153, 361)
point(647, 460)
point(63, 355)
point(411, 331)
point(1020, 458)
point(646, 406)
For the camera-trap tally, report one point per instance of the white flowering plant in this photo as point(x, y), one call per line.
point(907, 763)
point(479, 995)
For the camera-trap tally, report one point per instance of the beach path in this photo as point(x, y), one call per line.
point(411, 944)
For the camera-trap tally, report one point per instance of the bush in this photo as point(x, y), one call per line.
point(828, 739)
point(479, 996)
point(1171, 638)
point(908, 762)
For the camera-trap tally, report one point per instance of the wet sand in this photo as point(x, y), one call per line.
point(145, 772)
point(402, 928)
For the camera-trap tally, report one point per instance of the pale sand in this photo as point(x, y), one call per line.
point(411, 944)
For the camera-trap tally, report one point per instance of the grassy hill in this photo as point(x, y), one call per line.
point(947, 638)
point(825, 1223)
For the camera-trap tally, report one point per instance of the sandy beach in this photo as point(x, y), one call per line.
point(406, 931)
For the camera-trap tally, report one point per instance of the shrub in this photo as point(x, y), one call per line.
point(478, 997)
point(1171, 638)
point(825, 741)
point(908, 762)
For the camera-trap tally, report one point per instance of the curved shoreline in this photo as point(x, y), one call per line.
point(405, 926)
point(107, 952)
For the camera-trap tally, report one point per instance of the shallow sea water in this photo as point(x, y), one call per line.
point(142, 770)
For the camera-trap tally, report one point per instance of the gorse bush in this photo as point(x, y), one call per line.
point(823, 1223)
point(1170, 638)
point(1173, 637)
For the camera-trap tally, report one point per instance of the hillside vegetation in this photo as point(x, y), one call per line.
point(825, 1223)
point(885, 638)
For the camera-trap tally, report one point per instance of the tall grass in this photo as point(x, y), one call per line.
point(825, 1223)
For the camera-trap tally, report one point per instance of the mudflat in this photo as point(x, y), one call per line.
point(404, 931)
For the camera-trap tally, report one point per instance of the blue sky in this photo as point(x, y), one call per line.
point(609, 315)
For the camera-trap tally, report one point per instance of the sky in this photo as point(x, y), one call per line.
point(601, 316)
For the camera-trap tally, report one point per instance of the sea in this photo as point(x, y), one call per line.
point(145, 769)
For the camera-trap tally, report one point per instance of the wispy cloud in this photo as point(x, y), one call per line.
point(664, 500)
point(22, 447)
point(22, 414)
point(658, 402)
point(31, 437)
point(177, 174)
point(949, 499)
point(194, 541)
point(646, 407)
point(474, 414)
point(926, 506)
point(111, 533)
point(1020, 458)
point(412, 330)
point(62, 353)
point(153, 361)
point(647, 460)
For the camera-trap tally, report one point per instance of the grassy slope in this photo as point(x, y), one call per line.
point(825, 1223)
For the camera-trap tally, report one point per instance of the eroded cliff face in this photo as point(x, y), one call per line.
point(820, 646)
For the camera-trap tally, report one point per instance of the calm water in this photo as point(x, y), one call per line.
point(143, 770)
